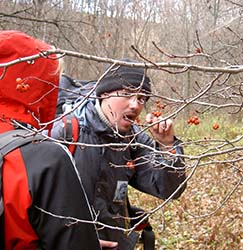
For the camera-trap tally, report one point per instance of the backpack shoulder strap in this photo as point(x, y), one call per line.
point(73, 122)
point(15, 138)
point(68, 127)
point(70, 131)
point(8, 142)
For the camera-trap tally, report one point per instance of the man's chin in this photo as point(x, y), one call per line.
point(123, 126)
point(124, 129)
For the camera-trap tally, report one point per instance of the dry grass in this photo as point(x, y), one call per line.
point(199, 219)
point(207, 216)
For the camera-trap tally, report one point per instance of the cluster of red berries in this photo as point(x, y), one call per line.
point(21, 85)
point(193, 120)
point(130, 164)
point(159, 106)
point(156, 113)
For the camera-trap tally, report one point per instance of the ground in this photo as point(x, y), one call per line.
point(208, 215)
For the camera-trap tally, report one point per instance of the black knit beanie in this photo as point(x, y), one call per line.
point(124, 77)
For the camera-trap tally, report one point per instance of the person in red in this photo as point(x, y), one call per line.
point(38, 177)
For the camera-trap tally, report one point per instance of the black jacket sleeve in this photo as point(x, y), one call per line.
point(55, 187)
point(158, 174)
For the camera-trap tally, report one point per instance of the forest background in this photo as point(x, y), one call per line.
point(194, 54)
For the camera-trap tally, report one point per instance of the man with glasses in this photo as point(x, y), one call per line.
point(115, 152)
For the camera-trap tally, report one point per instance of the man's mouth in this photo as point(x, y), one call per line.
point(130, 117)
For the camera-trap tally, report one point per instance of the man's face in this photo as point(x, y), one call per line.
point(122, 108)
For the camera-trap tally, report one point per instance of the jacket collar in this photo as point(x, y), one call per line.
point(101, 114)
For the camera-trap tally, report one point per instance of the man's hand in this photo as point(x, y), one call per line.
point(108, 245)
point(162, 131)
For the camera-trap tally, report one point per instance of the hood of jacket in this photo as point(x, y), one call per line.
point(36, 104)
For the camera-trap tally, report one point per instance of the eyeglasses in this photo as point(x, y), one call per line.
point(139, 97)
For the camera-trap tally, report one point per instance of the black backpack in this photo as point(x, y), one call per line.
point(8, 142)
point(69, 91)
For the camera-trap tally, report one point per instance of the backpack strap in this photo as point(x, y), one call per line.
point(68, 127)
point(147, 236)
point(73, 122)
point(15, 138)
point(70, 131)
point(9, 141)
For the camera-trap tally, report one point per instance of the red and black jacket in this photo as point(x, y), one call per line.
point(39, 180)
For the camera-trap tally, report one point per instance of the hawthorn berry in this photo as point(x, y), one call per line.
point(193, 120)
point(173, 151)
point(159, 105)
point(19, 80)
point(130, 164)
point(215, 126)
point(138, 121)
point(156, 113)
point(22, 87)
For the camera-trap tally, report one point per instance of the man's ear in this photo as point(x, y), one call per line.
point(104, 96)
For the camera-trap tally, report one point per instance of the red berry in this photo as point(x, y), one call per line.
point(156, 113)
point(19, 80)
point(215, 126)
point(19, 87)
point(130, 164)
point(138, 121)
point(22, 87)
point(193, 120)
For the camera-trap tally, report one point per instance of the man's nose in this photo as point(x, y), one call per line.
point(133, 102)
